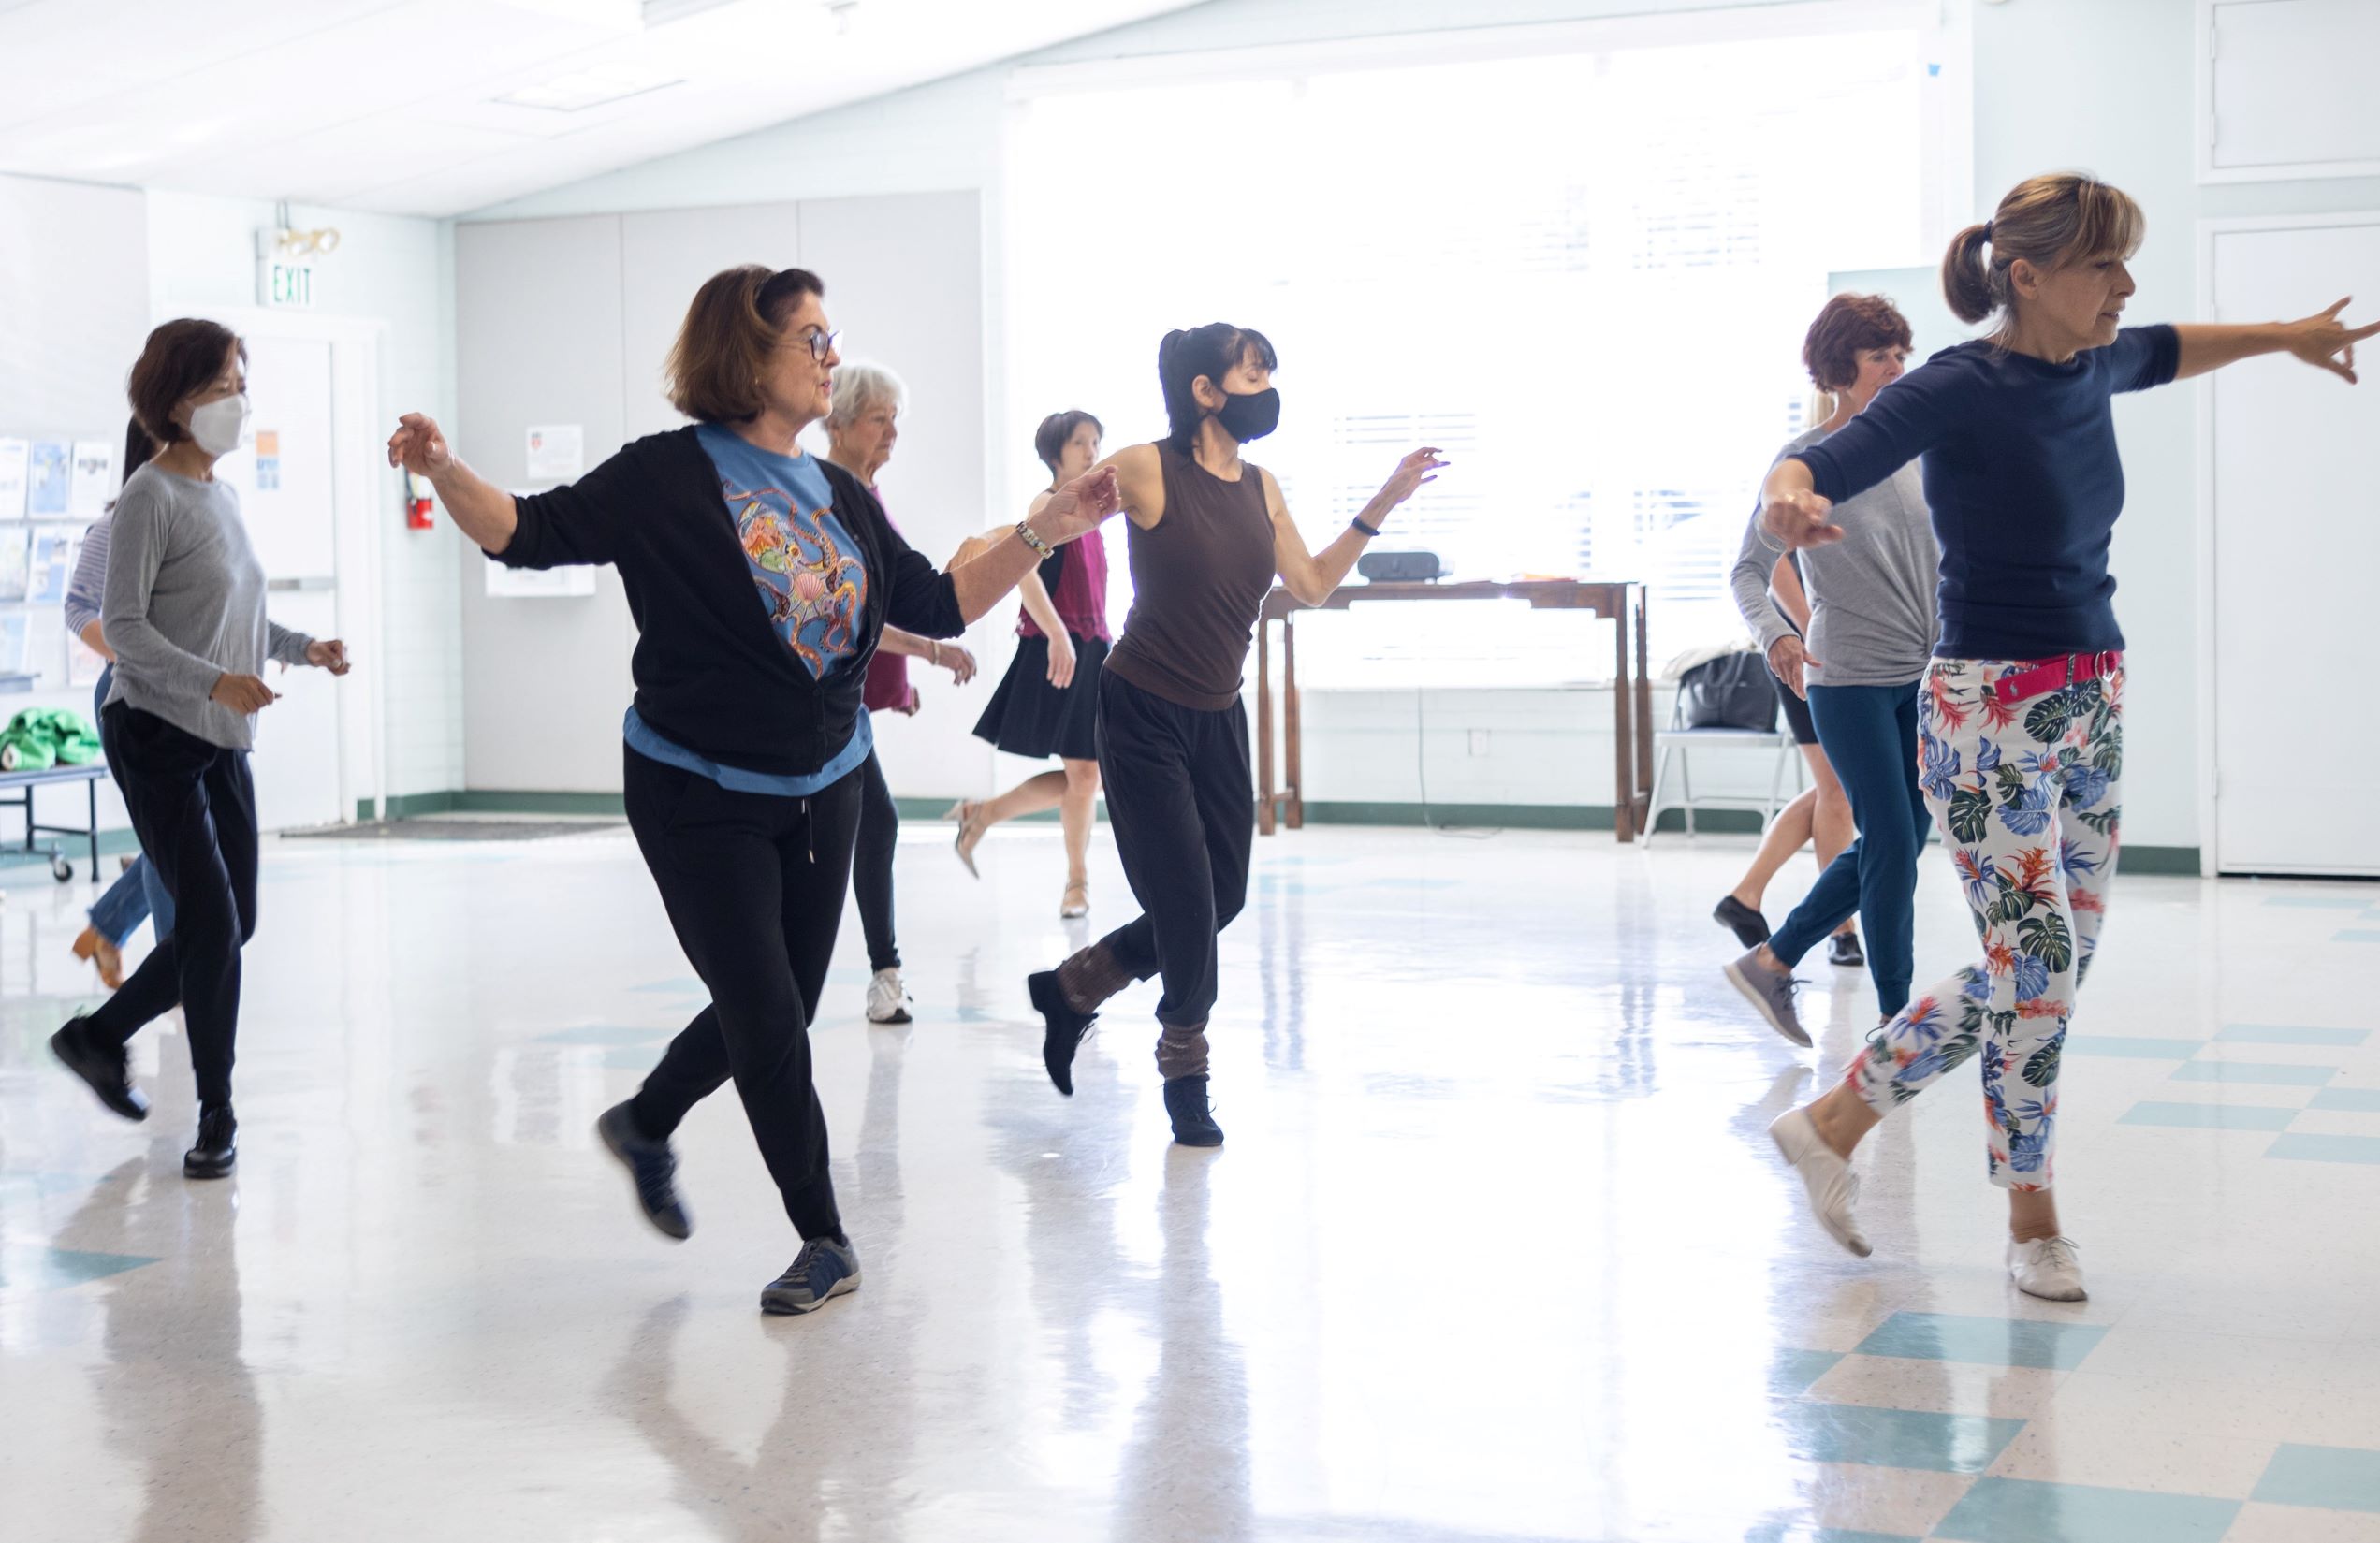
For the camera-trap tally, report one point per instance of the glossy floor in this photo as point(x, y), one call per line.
point(1497, 1249)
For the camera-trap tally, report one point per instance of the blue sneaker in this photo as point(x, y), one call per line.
point(822, 1269)
point(652, 1165)
point(1771, 990)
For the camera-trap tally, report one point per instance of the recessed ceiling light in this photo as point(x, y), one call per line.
point(595, 86)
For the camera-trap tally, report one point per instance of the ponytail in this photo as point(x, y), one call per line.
point(1968, 279)
point(1211, 351)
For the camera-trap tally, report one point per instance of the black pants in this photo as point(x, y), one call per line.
point(871, 870)
point(754, 886)
point(1182, 805)
point(194, 810)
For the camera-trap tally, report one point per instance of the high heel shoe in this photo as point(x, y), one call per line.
point(94, 949)
point(971, 831)
point(1077, 903)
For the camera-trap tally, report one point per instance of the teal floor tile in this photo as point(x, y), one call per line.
point(1792, 1531)
point(38, 1266)
point(2319, 902)
point(2356, 934)
point(1983, 1341)
point(1894, 1438)
point(2208, 1116)
point(1793, 1370)
point(2289, 1034)
point(2135, 1046)
point(2344, 1479)
point(686, 985)
point(2350, 1101)
point(2306, 1147)
point(2019, 1510)
point(2255, 1073)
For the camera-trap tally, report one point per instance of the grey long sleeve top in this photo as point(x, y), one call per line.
point(1872, 609)
point(185, 604)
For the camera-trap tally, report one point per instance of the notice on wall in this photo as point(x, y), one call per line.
point(504, 583)
point(94, 481)
point(268, 460)
point(16, 463)
point(557, 453)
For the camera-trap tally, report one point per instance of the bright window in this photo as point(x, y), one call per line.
point(1584, 276)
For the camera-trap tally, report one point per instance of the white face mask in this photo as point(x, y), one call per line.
point(220, 426)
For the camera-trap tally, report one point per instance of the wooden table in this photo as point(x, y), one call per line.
point(1632, 686)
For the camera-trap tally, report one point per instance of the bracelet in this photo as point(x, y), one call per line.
point(1030, 537)
point(1367, 529)
point(934, 652)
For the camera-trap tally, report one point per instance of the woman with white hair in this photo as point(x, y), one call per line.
point(862, 427)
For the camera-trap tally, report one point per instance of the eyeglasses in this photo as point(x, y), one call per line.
point(820, 344)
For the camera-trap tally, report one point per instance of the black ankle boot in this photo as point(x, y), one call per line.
point(103, 1070)
point(212, 1155)
point(1062, 1028)
point(1186, 1102)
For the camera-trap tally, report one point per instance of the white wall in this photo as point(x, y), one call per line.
point(2107, 85)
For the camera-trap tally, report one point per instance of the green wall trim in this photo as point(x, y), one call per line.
point(934, 809)
point(408, 805)
point(487, 801)
point(2170, 861)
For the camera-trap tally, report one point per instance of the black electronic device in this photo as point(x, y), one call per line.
point(1400, 567)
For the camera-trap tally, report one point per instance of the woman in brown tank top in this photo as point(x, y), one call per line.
point(1209, 531)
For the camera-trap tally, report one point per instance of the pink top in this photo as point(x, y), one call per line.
point(1077, 589)
point(886, 688)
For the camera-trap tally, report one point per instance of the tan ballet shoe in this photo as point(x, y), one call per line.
point(1077, 903)
point(971, 832)
point(89, 946)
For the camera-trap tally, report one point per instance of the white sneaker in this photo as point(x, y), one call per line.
point(2048, 1268)
point(887, 1000)
point(1834, 1190)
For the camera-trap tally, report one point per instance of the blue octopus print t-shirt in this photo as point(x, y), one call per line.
point(806, 566)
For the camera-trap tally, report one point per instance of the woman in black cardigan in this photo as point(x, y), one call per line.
point(760, 578)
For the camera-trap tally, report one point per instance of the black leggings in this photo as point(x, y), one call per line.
point(871, 870)
point(194, 810)
point(753, 885)
point(1183, 807)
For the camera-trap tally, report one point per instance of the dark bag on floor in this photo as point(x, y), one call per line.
point(1732, 691)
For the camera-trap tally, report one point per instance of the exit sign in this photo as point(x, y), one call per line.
point(285, 283)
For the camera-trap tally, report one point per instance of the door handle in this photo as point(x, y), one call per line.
point(301, 586)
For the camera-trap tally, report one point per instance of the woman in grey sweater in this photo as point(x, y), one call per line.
point(1872, 630)
point(183, 610)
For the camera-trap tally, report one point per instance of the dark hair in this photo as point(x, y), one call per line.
point(137, 447)
point(1847, 326)
point(722, 346)
point(1049, 440)
point(2048, 221)
point(1212, 351)
point(180, 359)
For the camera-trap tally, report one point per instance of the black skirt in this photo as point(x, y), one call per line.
point(1030, 717)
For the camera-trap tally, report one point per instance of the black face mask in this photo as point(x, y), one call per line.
point(1250, 416)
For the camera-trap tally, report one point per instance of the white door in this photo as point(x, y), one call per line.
point(2297, 540)
point(284, 479)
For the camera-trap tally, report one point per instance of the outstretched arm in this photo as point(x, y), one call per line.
point(1312, 578)
point(2321, 340)
point(481, 511)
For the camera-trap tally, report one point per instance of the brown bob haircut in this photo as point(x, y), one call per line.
point(1049, 440)
point(180, 359)
point(1848, 325)
point(723, 347)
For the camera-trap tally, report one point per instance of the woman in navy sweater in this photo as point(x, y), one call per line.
point(2019, 741)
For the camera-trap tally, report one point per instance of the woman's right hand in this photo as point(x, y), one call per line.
point(1789, 659)
point(1079, 507)
point(243, 694)
point(419, 446)
point(1061, 661)
point(1799, 518)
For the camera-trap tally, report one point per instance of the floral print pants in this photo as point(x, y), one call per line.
point(2026, 795)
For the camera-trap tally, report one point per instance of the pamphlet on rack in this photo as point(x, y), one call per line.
point(48, 489)
point(16, 463)
point(53, 564)
point(94, 479)
point(16, 557)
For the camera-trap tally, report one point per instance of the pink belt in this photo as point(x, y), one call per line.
point(2042, 676)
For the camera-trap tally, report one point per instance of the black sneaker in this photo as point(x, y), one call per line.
point(1844, 949)
point(212, 1155)
point(106, 1071)
point(1750, 927)
point(822, 1270)
point(652, 1167)
point(1186, 1102)
point(1062, 1028)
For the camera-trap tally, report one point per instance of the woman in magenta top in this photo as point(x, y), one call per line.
point(1049, 701)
